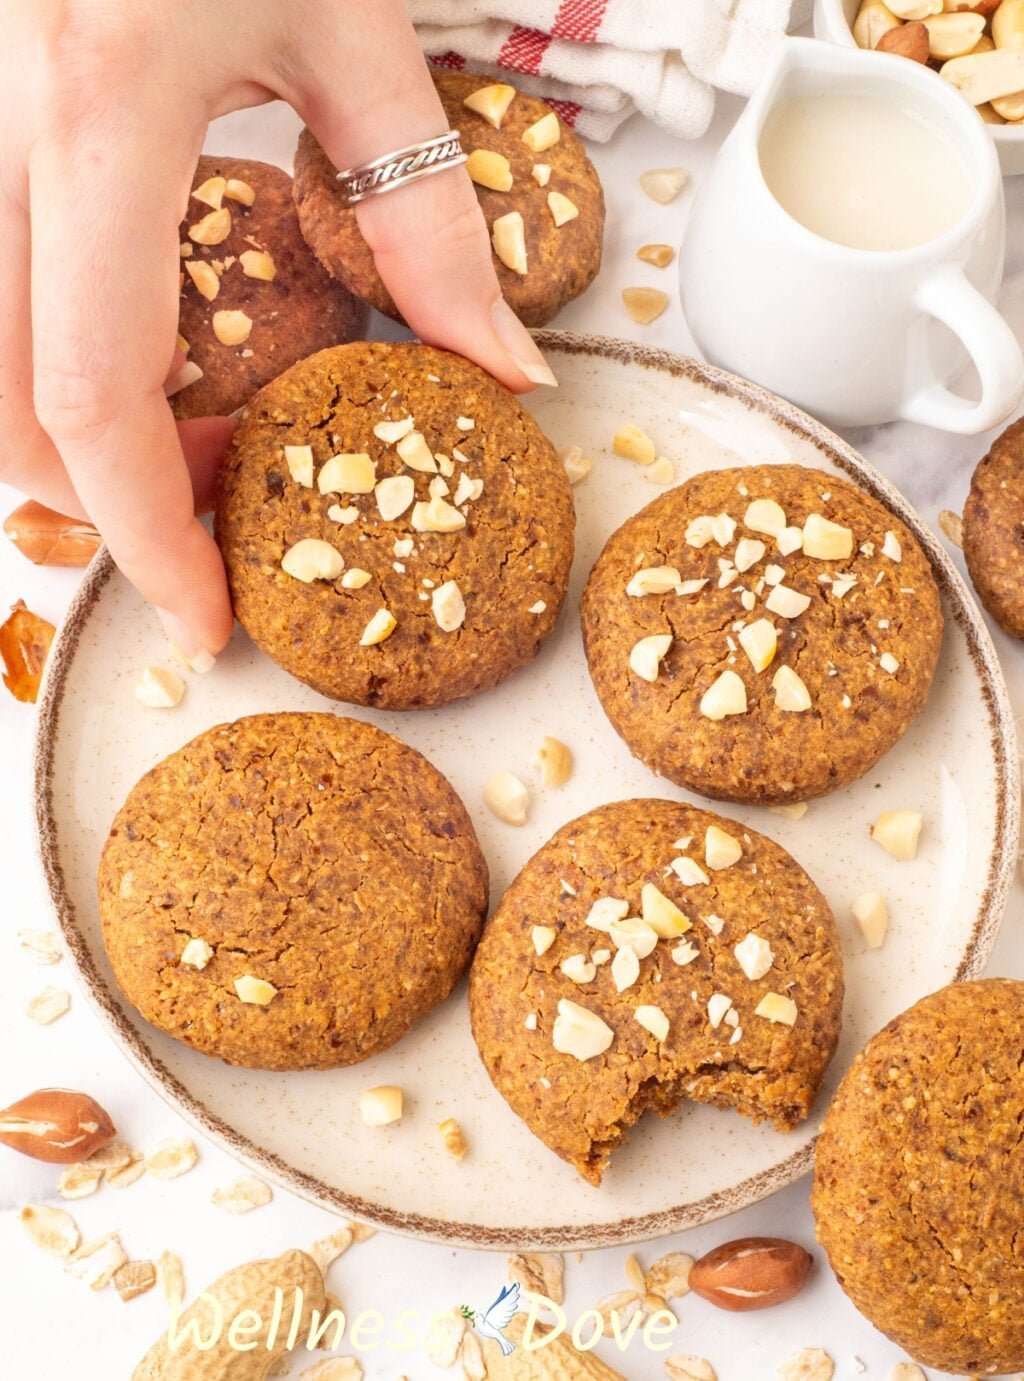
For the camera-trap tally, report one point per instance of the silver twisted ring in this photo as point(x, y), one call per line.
point(402, 166)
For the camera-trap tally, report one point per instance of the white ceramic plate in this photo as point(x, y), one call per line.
point(958, 765)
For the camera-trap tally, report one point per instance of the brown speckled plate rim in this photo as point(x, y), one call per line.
point(748, 1191)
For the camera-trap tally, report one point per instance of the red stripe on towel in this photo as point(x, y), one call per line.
point(579, 20)
point(569, 110)
point(523, 50)
point(455, 62)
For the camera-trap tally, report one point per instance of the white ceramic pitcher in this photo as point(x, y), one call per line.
point(851, 335)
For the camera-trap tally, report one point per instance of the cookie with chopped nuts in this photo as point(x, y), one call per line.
point(552, 189)
point(993, 530)
point(291, 891)
point(763, 633)
point(254, 299)
point(397, 530)
point(648, 954)
point(919, 1179)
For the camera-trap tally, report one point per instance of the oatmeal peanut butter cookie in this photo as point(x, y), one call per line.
point(291, 891)
point(538, 190)
point(648, 954)
point(762, 634)
point(396, 528)
point(993, 530)
point(254, 299)
point(919, 1179)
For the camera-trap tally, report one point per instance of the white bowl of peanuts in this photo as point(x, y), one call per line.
point(976, 45)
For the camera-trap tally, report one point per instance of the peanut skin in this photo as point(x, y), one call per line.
point(48, 538)
point(751, 1273)
point(56, 1124)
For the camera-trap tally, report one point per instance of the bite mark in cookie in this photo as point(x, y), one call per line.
point(648, 954)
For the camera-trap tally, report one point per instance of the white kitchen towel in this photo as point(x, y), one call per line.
point(598, 61)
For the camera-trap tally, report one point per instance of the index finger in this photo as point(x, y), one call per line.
point(104, 210)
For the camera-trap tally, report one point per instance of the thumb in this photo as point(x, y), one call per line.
point(429, 239)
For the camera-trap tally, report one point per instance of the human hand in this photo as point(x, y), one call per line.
point(103, 114)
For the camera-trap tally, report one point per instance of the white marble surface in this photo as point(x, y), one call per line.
point(53, 1326)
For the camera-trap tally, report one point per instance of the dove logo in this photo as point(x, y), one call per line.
point(497, 1318)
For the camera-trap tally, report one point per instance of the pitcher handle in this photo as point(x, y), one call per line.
point(949, 297)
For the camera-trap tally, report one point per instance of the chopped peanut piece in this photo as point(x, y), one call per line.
point(776, 1008)
point(437, 516)
point(311, 559)
point(787, 603)
point(663, 184)
point(827, 541)
point(379, 628)
point(190, 373)
point(454, 1140)
point(213, 229)
point(211, 192)
point(492, 102)
point(488, 169)
point(662, 471)
point(646, 656)
point(394, 495)
point(759, 641)
point(416, 454)
point(790, 692)
point(196, 954)
point(872, 916)
point(542, 937)
point(577, 465)
point(506, 797)
point(633, 444)
point(299, 460)
point(355, 579)
point(653, 580)
point(579, 1032)
point(202, 275)
point(754, 956)
point(509, 239)
point(766, 516)
point(256, 991)
point(652, 1019)
point(554, 760)
point(256, 263)
point(898, 832)
point(231, 327)
point(159, 689)
point(721, 850)
point(658, 255)
point(354, 473)
point(380, 1106)
point(662, 914)
point(541, 174)
point(237, 190)
point(725, 696)
point(562, 209)
point(953, 526)
point(448, 606)
point(543, 133)
point(644, 304)
point(391, 432)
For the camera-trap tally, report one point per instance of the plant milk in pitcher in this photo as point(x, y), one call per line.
point(862, 172)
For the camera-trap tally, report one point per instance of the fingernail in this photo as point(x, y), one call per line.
point(185, 645)
point(520, 346)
